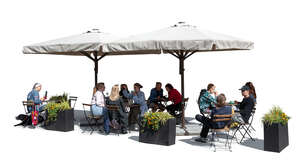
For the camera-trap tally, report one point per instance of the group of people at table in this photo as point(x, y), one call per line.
point(132, 105)
point(135, 101)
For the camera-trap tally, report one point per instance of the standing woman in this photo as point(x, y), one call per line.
point(120, 116)
point(98, 105)
point(252, 91)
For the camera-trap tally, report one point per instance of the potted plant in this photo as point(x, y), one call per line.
point(276, 136)
point(158, 128)
point(59, 114)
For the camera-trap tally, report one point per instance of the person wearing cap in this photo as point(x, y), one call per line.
point(245, 107)
point(155, 98)
point(34, 96)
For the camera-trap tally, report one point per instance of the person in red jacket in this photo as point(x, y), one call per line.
point(175, 97)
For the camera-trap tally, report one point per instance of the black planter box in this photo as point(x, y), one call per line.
point(64, 121)
point(164, 136)
point(276, 137)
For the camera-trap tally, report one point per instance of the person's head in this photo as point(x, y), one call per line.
point(100, 87)
point(114, 94)
point(137, 87)
point(211, 88)
point(252, 88)
point(158, 86)
point(169, 87)
point(124, 86)
point(37, 87)
point(245, 91)
point(221, 100)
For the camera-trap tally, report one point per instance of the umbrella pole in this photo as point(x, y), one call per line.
point(96, 71)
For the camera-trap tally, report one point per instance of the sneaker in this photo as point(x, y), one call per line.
point(201, 140)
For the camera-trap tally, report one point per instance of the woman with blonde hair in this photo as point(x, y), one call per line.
point(119, 116)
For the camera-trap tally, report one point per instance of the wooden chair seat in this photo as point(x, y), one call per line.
point(112, 107)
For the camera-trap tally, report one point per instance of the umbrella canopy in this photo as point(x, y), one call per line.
point(178, 37)
point(89, 41)
point(180, 40)
point(86, 44)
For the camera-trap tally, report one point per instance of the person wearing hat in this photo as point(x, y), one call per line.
point(245, 107)
point(34, 96)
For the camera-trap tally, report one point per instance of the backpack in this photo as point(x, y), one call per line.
point(201, 94)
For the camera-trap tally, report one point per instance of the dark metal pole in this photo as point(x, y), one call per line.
point(96, 71)
point(181, 72)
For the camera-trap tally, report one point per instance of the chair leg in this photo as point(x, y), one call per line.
point(246, 132)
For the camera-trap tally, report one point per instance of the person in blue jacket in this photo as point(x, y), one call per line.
point(34, 96)
point(208, 123)
point(155, 98)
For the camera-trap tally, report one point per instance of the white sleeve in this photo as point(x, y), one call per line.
point(100, 99)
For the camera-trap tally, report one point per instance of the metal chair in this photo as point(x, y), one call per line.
point(72, 99)
point(225, 130)
point(114, 110)
point(27, 104)
point(90, 118)
point(246, 127)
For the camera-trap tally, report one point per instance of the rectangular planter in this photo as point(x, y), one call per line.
point(64, 121)
point(164, 136)
point(276, 137)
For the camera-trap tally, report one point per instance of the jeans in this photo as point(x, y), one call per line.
point(101, 111)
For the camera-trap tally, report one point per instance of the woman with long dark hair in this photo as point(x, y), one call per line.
point(252, 91)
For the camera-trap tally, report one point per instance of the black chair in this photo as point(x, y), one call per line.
point(74, 100)
point(245, 128)
point(27, 104)
point(114, 111)
point(93, 121)
point(225, 130)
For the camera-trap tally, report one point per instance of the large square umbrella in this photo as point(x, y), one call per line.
point(180, 40)
point(86, 44)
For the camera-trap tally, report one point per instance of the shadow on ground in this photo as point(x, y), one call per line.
point(135, 138)
point(192, 142)
point(257, 144)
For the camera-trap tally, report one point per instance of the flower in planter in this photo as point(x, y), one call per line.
point(53, 108)
point(276, 115)
point(153, 120)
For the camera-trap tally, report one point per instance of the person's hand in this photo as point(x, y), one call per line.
point(236, 102)
point(215, 93)
point(42, 99)
point(134, 93)
point(158, 98)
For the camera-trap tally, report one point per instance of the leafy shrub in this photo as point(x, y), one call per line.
point(53, 108)
point(276, 115)
point(153, 120)
point(59, 98)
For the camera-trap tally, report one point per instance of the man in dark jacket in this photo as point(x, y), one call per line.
point(155, 98)
point(245, 107)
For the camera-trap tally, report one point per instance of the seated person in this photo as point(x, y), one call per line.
point(120, 117)
point(98, 105)
point(245, 107)
point(155, 98)
point(138, 98)
point(207, 99)
point(34, 96)
point(208, 123)
point(123, 87)
point(252, 91)
point(176, 98)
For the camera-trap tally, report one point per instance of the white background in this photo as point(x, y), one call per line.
point(273, 67)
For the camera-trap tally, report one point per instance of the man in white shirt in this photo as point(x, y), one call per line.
point(98, 105)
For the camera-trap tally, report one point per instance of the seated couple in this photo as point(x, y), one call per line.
point(207, 100)
point(99, 107)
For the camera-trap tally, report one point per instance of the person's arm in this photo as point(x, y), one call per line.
point(139, 99)
point(152, 95)
point(127, 94)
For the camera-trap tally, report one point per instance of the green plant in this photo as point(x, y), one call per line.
point(59, 98)
point(276, 115)
point(153, 120)
point(53, 108)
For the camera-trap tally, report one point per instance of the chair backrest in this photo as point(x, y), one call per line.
point(112, 107)
point(85, 110)
point(218, 118)
point(27, 104)
point(74, 99)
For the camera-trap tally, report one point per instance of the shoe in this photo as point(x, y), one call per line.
point(124, 131)
point(107, 132)
point(201, 140)
point(136, 127)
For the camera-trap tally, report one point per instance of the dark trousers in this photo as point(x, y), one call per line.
point(173, 108)
point(133, 115)
point(207, 124)
point(119, 116)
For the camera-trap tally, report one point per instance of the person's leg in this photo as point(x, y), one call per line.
point(106, 120)
point(171, 109)
point(123, 119)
